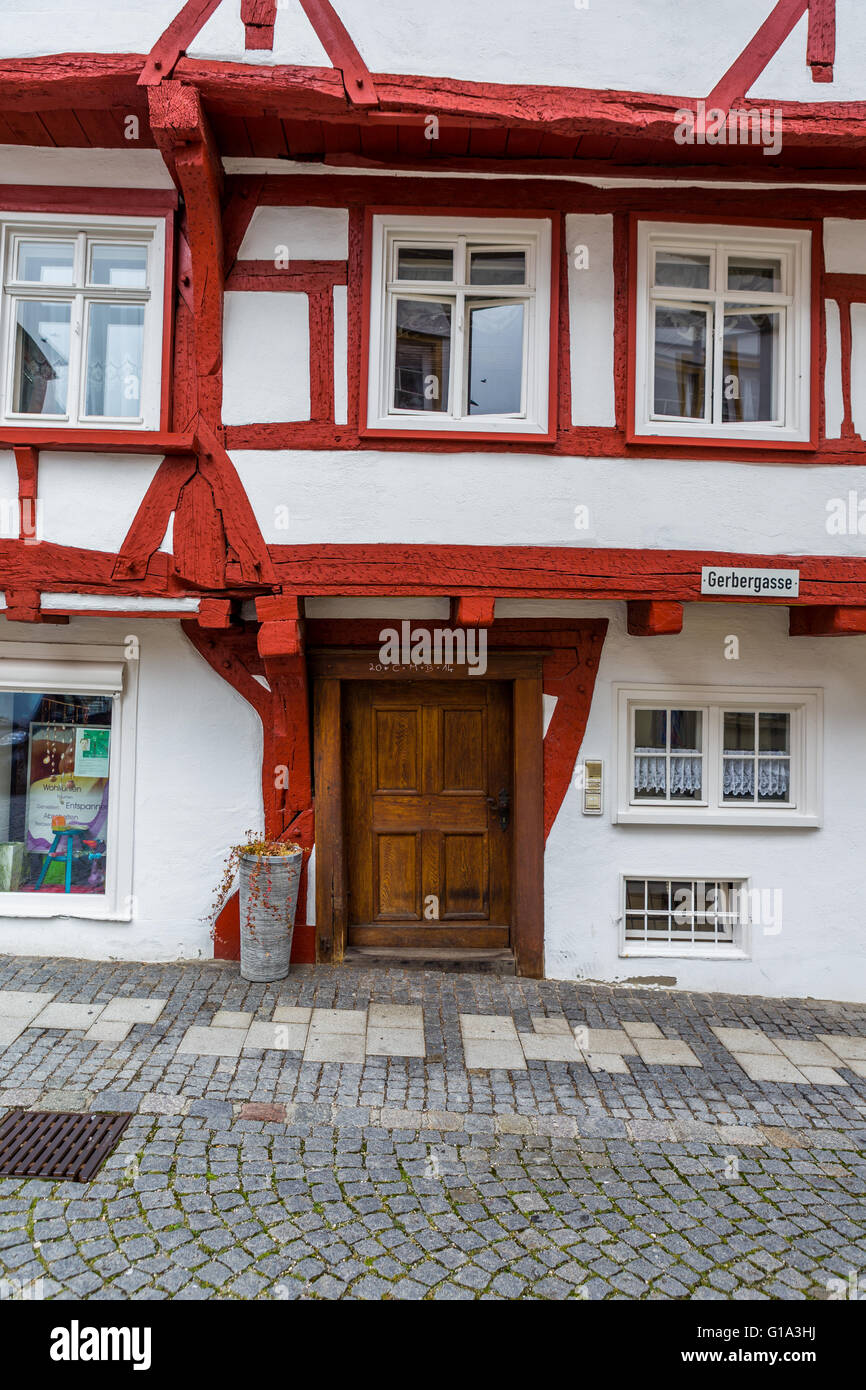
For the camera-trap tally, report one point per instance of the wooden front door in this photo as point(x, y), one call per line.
point(428, 816)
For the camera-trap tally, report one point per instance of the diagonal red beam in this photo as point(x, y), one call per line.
point(175, 40)
point(337, 43)
point(756, 55)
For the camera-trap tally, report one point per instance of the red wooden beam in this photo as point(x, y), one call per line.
point(215, 613)
point(306, 276)
point(182, 132)
point(669, 576)
point(337, 43)
point(747, 68)
point(27, 463)
point(96, 441)
point(71, 81)
point(281, 633)
point(259, 18)
point(654, 619)
point(827, 620)
point(474, 610)
point(175, 40)
point(821, 44)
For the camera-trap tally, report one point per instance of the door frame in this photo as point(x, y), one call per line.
point(328, 668)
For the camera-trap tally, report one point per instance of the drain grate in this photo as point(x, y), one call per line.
point(54, 1144)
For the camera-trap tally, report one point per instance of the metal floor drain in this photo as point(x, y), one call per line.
point(58, 1145)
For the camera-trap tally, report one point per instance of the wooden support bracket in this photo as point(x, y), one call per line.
point(650, 618)
point(282, 626)
point(27, 463)
point(826, 620)
point(473, 610)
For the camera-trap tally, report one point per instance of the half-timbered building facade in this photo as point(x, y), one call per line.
point(435, 434)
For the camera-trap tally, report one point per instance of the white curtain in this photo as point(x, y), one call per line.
point(650, 772)
point(773, 775)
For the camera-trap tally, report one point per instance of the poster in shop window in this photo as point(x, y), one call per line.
point(67, 782)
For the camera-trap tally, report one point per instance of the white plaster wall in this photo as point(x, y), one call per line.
point(311, 234)
point(845, 245)
point(834, 406)
point(819, 950)
point(198, 788)
point(590, 305)
point(858, 367)
point(671, 46)
point(341, 355)
point(89, 500)
point(9, 512)
point(85, 168)
point(342, 497)
point(266, 357)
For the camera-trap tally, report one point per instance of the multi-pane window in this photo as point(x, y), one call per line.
point(722, 332)
point(460, 325)
point(668, 754)
point(675, 913)
point(718, 756)
point(81, 324)
point(756, 756)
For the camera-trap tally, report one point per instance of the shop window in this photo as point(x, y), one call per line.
point(65, 785)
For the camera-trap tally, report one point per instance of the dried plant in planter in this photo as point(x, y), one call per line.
point(269, 874)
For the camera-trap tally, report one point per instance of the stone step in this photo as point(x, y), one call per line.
point(443, 958)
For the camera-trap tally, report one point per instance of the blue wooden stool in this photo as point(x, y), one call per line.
point(70, 831)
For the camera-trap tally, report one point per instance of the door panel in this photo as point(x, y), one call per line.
point(428, 860)
point(397, 878)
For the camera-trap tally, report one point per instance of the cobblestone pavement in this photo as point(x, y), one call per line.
point(264, 1175)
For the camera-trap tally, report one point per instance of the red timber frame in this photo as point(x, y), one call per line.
point(364, 195)
point(219, 553)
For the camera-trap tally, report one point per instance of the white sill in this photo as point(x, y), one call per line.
point(760, 433)
point(783, 820)
point(62, 422)
point(95, 908)
point(473, 424)
point(661, 952)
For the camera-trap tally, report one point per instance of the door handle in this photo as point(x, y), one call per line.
point(502, 805)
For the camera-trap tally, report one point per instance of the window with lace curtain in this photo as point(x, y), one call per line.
point(717, 756)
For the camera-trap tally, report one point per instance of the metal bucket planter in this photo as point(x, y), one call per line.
point(268, 898)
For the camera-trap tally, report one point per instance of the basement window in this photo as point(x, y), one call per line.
point(82, 322)
point(718, 756)
point(459, 325)
point(684, 916)
point(722, 333)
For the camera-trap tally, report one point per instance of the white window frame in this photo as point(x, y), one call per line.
point(803, 811)
point(794, 249)
point(532, 235)
point(82, 670)
point(84, 229)
point(739, 948)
